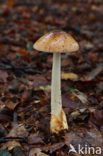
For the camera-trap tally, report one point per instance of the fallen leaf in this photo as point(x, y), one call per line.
point(3, 76)
point(81, 96)
point(75, 114)
point(11, 105)
point(90, 76)
point(12, 144)
point(97, 117)
point(72, 103)
point(66, 76)
point(34, 139)
point(18, 131)
point(36, 152)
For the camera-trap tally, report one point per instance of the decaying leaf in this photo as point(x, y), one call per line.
point(18, 131)
point(3, 76)
point(90, 76)
point(11, 105)
point(75, 114)
point(36, 152)
point(66, 76)
point(34, 139)
point(81, 96)
point(10, 145)
point(13, 144)
point(97, 117)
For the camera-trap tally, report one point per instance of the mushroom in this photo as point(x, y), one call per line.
point(56, 42)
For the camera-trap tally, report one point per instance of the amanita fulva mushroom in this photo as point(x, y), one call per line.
point(56, 42)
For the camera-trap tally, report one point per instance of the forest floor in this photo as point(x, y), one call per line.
point(25, 78)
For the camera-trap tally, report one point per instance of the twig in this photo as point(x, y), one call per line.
point(94, 73)
point(25, 69)
point(6, 139)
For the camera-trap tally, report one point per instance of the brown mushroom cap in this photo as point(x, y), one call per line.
point(56, 42)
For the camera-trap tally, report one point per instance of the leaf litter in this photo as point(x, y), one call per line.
point(25, 77)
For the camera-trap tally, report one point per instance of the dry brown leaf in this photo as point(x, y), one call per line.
point(11, 105)
point(2, 105)
point(36, 152)
point(18, 131)
point(81, 96)
point(12, 144)
point(3, 76)
point(67, 76)
point(34, 139)
point(90, 76)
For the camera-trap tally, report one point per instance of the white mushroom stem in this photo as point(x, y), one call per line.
point(58, 118)
point(56, 102)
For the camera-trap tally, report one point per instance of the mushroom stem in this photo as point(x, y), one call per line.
point(58, 117)
point(56, 103)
